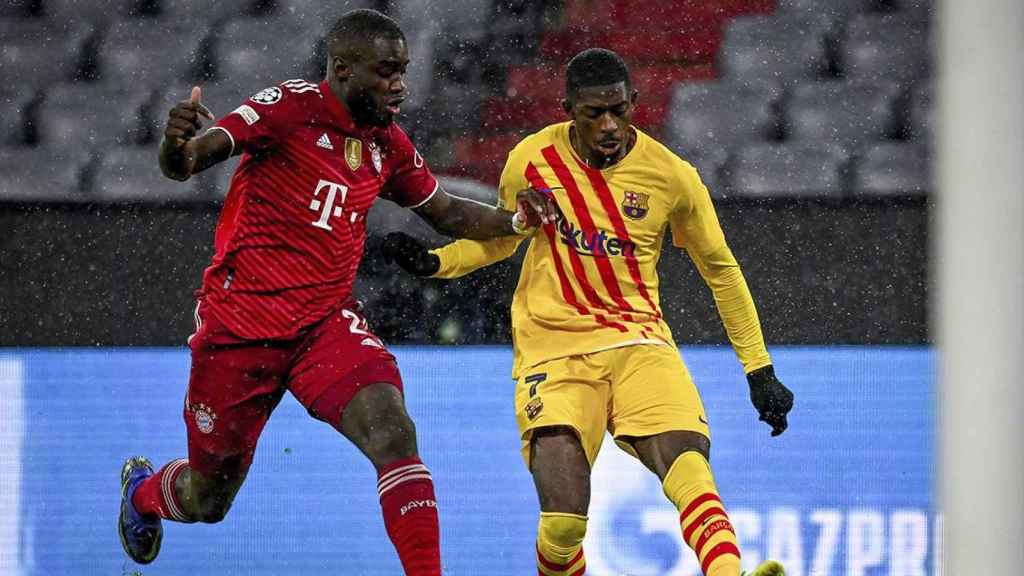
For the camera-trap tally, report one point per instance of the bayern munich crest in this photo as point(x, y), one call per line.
point(205, 417)
point(634, 204)
point(267, 95)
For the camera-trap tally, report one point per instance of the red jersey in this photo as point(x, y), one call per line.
point(290, 236)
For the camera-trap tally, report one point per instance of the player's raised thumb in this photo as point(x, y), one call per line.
point(195, 97)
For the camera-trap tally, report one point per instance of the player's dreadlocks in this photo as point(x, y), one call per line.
point(595, 67)
point(356, 30)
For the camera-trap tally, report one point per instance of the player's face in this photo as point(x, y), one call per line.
point(378, 86)
point(602, 116)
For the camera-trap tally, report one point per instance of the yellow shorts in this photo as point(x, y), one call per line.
point(637, 390)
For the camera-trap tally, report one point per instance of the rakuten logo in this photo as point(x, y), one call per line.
point(598, 243)
point(417, 504)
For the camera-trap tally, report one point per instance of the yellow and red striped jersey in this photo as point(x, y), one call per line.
point(589, 281)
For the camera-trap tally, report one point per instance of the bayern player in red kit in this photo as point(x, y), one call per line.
point(275, 311)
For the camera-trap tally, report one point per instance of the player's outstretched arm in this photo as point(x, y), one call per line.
point(463, 218)
point(181, 153)
point(451, 261)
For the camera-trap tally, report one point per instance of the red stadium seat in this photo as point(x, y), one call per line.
point(483, 157)
point(644, 15)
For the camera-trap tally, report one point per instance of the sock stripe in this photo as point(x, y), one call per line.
point(702, 499)
point(558, 567)
point(704, 517)
point(580, 572)
point(400, 470)
point(719, 550)
point(167, 487)
point(409, 477)
point(715, 527)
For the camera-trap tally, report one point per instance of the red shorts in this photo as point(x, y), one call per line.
point(236, 383)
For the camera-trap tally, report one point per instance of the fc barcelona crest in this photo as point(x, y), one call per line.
point(353, 153)
point(634, 204)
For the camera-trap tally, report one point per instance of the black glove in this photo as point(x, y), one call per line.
point(410, 254)
point(772, 400)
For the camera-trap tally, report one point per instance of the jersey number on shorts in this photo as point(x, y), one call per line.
point(534, 380)
point(357, 325)
point(327, 207)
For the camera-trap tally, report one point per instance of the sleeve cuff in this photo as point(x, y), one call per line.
point(437, 185)
point(230, 137)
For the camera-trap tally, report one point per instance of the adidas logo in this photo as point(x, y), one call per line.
point(325, 142)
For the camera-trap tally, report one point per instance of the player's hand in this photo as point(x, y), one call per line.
point(183, 120)
point(410, 254)
point(772, 400)
point(536, 207)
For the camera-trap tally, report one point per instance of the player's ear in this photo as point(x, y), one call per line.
point(633, 98)
point(567, 106)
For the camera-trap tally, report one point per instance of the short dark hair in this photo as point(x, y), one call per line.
point(358, 29)
point(595, 67)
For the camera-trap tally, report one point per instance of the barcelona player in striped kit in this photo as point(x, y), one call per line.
point(592, 349)
point(275, 312)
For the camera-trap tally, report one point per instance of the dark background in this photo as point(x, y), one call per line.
point(821, 271)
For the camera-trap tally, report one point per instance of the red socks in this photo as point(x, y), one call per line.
point(156, 495)
point(410, 515)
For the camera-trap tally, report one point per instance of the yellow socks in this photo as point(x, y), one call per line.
point(560, 544)
point(690, 485)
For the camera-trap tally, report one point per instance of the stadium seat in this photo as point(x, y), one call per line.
point(96, 11)
point(265, 51)
point(885, 47)
point(675, 14)
point(709, 115)
point(835, 8)
point(317, 14)
point(214, 11)
point(40, 52)
point(463, 19)
point(849, 114)
point(779, 48)
point(132, 174)
point(922, 113)
point(87, 116)
point(42, 175)
point(134, 52)
point(788, 170)
point(16, 102)
point(21, 8)
point(892, 168)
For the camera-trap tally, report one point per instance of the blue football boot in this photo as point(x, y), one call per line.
point(140, 536)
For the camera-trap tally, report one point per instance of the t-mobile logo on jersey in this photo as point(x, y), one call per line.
point(327, 207)
point(413, 504)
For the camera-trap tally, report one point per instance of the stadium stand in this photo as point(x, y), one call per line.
point(893, 47)
point(43, 175)
point(88, 116)
point(848, 114)
point(131, 174)
point(39, 52)
point(16, 102)
point(892, 168)
point(717, 78)
point(788, 169)
point(715, 115)
point(134, 52)
point(781, 48)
